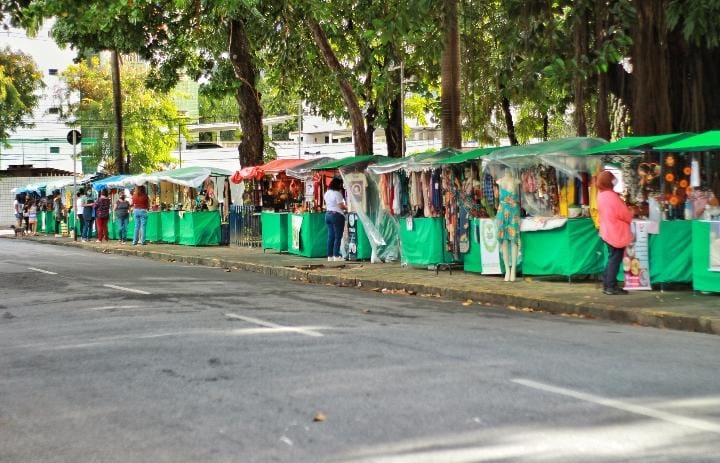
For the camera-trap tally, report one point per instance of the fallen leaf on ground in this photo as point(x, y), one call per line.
point(366, 311)
point(468, 302)
point(512, 307)
point(319, 416)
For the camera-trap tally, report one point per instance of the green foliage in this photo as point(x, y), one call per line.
point(697, 19)
point(150, 117)
point(20, 83)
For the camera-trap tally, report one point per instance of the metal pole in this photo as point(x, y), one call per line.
point(402, 108)
point(74, 196)
point(299, 128)
point(179, 144)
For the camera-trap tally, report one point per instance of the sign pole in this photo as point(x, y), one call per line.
point(74, 196)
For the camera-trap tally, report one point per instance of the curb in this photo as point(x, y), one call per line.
point(665, 320)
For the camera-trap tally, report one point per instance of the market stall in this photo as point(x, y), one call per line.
point(557, 234)
point(469, 199)
point(408, 211)
point(273, 194)
point(694, 189)
point(307, 232)
point(669, 238)
point(180, 211)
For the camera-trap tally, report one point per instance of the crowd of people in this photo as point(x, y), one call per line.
point(90, 212)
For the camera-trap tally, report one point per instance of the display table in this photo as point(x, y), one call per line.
point(153, 232)
point(703, 278)
point(312, 239)
point(199, 228)
point(671, 252)
point(169, 227)
point(274, 226)
point(424, 244)
point(573, 249)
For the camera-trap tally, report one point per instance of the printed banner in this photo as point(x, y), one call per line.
point(636, 261)
point(297, 221)
point(489, 248)
point(352, 238)
point(715, 246)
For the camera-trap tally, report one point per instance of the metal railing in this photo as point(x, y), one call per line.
point(245, 227)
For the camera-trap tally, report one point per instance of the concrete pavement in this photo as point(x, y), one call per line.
point(677, 308)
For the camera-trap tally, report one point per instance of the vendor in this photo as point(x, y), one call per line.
point(211, 203)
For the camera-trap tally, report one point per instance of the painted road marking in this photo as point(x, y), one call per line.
point(307, 331)
point(702, 425)
point(41, 270)
point(114, 307)
point(130, 290)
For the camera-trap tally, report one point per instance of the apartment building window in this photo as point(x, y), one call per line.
point(53, 72)
point(54, 150)
point(54, 110)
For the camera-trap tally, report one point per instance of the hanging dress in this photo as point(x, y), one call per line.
point(508, 216)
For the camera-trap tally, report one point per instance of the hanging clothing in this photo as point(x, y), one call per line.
point(397, 195)
point(427, 198)
point(436, 190)
point(508, 216)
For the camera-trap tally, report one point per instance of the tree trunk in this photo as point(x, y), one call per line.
point(602, 116)
point(120, 165)
point(580, 38)
point(394, 129)
point(450, 97)
point(546, 126)
point(509, 121)
point(250, 150)
point(357, 121)
point(651, 109)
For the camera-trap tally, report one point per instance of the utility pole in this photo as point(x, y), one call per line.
point(74, 196)
point(402, 108)
point(179, 145)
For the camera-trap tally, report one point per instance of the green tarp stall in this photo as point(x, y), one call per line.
point(192, 177)
point(703, 279)
point(472, 261)
point(153, 230)
point(671, 252)
point(274, 227)
point(706, 141)
point(199, 228)
point(349, 161)
point(169, 227)
point(312, 238)
point(573, 249)
point(635, 144)
point(364, 250)
point(304, 171)
point(424, 242)
point(467, 156)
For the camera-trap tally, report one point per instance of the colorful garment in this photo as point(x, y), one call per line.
point(508, 216)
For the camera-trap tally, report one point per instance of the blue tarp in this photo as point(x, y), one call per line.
point(102, 184)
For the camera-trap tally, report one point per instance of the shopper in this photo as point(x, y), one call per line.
point(18, 206)
point(102, 215)
point(141, 203)
point(26, 206)
point(615, 218)
point(122, 215)
point(88, 206)
point(79, 222)
point(334, 218)
point(59, 212)
point(32, 216)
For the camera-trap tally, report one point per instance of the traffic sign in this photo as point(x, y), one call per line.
point(73, 137)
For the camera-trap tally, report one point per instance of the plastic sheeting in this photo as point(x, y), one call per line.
point(304, 171)
point(703, 279)
point(706, 141)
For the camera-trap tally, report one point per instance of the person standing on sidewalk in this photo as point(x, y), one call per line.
point(32, 216)
point(141, 203)
point(334, 218)
point(79, 222)
point(615, 218)
point(18, 206)
point(88, 204)
point(122, 214)
point(58, 211)
point(102, 215)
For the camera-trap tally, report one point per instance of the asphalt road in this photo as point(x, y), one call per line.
point(119, 359)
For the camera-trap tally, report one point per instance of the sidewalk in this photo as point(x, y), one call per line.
point(678, 309)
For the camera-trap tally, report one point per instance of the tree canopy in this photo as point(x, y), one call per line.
point(20, 85)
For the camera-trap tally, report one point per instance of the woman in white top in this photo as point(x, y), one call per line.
point(334, 218)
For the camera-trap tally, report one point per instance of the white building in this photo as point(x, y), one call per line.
point(44, 145)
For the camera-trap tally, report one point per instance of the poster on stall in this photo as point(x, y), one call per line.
point(636, 261)
point(297, 221)
point(715, 246)
point(352, 238)
point(489, 248)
